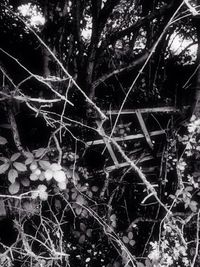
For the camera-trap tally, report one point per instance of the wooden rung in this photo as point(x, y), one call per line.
point(143, 110)
point(126, 138)
point(108, 145)
point(149, 157)
point(144, 128)
point(126, 164)
point(121, 165)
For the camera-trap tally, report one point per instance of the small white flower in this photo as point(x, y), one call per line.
point(154, 255)
point(59, 176)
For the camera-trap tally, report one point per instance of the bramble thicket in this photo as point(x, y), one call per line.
point(99, 133)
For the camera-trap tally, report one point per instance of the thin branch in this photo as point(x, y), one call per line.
point(14, 128)
point(135, 26)
point(119, 71)
point(191, 76)
point(103, 117)
point(126, 138)
point(111, 233)
point(24, 98)
point(37, 77)
point(197, 240)
point(11, 117)
point(191, 8)
point(58, 148)
point(164, 109)
point(144, 65)
point(106, 184)
point(7, 76)
point(140, 174)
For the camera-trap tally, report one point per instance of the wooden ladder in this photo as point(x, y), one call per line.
point(147, 135)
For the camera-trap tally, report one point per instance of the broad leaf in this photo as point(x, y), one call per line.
point(78, 210)
point(89, 232)
point(34, 194)
point(59, 176)
point(48, 174)
point(89, 194)
point(15, 156)
point(132, 242)
point(40, 152)
point(3, 141)
point(33, 166)
point(81, 239)
point(14, 188)
point(34, 177)
point(56, 167)
point(84, 213)
point(189, 188)
point(41, 176)
point(193, 206)
point(125, 239)
point(4, 167)
point(12, 175)
point(28, 154)
point(42, 187)
point(29, 161)
point(25, 182)
point(94, 188)
point(20, 166)
point(83, 227)
point(80, 200)
point(4, 159)
point(130, 235)
point(62, 185)
point(43, 195)
point(44, 164)
point(69, 173)
point(74, 195)
point(113, 217)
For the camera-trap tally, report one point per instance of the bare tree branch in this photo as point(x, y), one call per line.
point(119, 71)
point(135, 26)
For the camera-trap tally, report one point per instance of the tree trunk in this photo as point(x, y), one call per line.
point(196, 101)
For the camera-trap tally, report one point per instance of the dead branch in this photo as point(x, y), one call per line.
point(141, 176)
point(126, 138)
point(119, 71)
point(135, 26)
